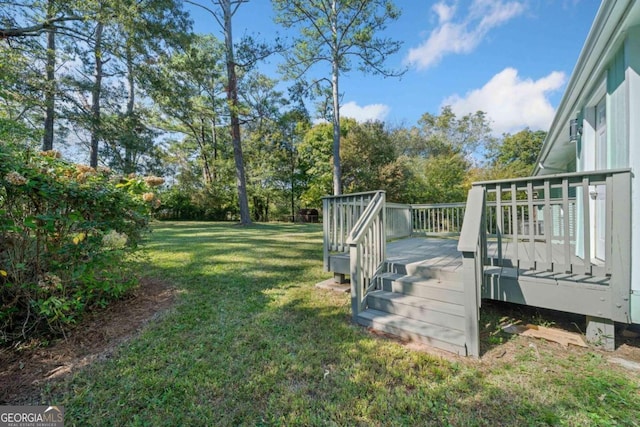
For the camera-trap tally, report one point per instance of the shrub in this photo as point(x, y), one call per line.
point(67, 233)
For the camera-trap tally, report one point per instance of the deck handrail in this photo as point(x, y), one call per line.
point(367, 243)
point(558, 176)
point(339, 215)
point(472, 245)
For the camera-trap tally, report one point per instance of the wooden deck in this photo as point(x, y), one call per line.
point(442, 254)
point(436, 253)
point(520, 240)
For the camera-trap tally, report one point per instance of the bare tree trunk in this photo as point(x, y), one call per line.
point(335, 72)
point(232, 99)
point(293, 183)
point(129, 166)
point(214, 139)
point(203, 148)
point(50, 86)
point(95, 97)
point(337, 166)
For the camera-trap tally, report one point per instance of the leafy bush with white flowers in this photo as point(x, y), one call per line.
point(67, 236)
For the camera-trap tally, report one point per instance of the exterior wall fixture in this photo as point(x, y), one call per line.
point(575, 130)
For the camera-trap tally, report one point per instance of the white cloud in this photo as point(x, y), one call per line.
point(444, 11)
point(371, 112)
point(511, 103)
point(464, 35)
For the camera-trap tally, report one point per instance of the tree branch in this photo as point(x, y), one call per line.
point(36, 30)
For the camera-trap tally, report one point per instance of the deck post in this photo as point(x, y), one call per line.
point(619, 244)
point(356, 285)
point(326, 217)
point(472, 246)
point(339, 278)
point(601, 332)
point(471, 306)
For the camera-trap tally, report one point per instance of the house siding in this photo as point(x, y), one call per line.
point(622, 77)
point(632, 76)
point(617, 113)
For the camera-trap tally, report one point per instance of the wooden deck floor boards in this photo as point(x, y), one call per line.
point(442, 253)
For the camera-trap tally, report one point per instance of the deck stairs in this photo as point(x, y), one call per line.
point(419, 303)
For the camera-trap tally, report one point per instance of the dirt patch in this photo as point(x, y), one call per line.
point(498, 347)
point(24, 372)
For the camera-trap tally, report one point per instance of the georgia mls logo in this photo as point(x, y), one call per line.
point(31, 416)
point(53, 408)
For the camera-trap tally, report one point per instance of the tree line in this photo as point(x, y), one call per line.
point(128, 85)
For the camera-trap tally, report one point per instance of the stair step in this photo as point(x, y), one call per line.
point(436, 289)
point(427, 272)
point(426, 310)
point(437, 336)
point(424, 271)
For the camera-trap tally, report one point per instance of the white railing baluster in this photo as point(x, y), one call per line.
point(566, 234)
point(586, 229)
point(548, 226)
point(531, 233)
point(609, 223)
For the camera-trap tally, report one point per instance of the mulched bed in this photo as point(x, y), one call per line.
point(24, 371)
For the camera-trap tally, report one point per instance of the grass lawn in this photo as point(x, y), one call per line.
point(251, 341)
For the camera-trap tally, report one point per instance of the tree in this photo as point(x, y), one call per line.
point(223, 14)
point(145, 30)
point(28, 19)
point(50, 86)
point(367, 151)
point(193, 106)
point(515, 155)
point(443, 179)
point(21, 83)
point(446, 134)
point(96, 111)
point(18, 20)
point(271, 137)
point(337, 32)
point(315, 153)
point(440, 154)
point(292, 125)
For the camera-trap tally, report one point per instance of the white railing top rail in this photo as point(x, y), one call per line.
point(398, 205)
point(363, 193)
point(560, 176)
point(438, 205)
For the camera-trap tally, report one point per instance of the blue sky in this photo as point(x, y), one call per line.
point(509, 58)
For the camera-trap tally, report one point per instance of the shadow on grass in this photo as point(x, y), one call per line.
point(252, 342)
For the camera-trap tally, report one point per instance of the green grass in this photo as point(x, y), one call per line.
point(251, 341)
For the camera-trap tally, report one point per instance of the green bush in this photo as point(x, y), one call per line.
point(67, 235)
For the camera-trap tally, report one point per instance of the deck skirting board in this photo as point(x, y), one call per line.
point(567, 296)
point(339, 263)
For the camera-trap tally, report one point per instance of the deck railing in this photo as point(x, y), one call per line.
point(340, 214)
point(573, 226)
point(441, 218)
point(558, 223)
point(367, 251)
point(399, 224)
